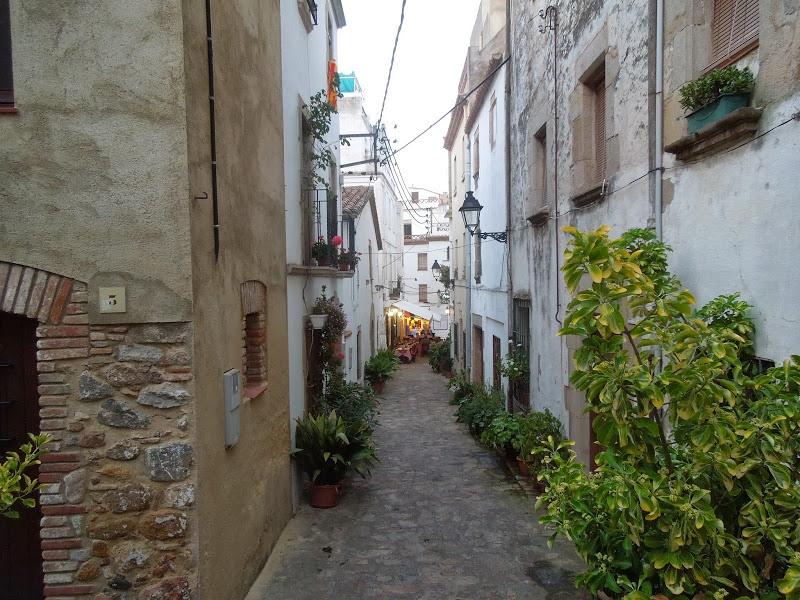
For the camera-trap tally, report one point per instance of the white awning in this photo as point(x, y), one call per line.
point(414, 309)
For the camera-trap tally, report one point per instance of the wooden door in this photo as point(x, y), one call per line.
point(477, 355)
point(496, 382)
point(20, 577)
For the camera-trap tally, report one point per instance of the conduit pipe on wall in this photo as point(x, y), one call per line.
point(509, 71)
point(468, 239)
point(659, 119)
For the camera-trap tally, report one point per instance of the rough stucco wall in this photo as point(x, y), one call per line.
point(584, 30)
point(731, 218)
point(103, 158)
point(245, 499)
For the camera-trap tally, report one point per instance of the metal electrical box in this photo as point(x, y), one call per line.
point(233, 400)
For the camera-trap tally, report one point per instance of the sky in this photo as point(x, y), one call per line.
point(430, 55)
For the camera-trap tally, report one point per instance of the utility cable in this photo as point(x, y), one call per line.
point(457, 105)
point(391, 63)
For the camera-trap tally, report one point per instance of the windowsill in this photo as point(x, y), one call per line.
point(316, 271)
point(729, 131)
point(255, 390)
point(588, 195)
point(540, 217)
point(8, 109)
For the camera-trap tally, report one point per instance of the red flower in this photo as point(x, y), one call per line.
point(336, 240)
point(341, 355)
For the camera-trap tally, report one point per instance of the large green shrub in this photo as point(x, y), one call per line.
point(17, 488)
point(439, 355)
point(709, 510)
point(534, 430)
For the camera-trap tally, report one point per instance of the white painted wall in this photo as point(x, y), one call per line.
point(304, 57)
point(490, 296)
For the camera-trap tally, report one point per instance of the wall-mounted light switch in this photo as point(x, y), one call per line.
point(112, 299)
point(232, 382)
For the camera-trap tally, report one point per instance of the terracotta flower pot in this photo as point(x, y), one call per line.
point(324, 261)
point(378, 386)
point(343, 266)
point(324, 496)
point(523, 467)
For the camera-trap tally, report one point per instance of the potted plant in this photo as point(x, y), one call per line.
point(715, 95)
point(534, 431)
point(322, 447)
point(348, 259)
point(504, 428)
point(322, 252)
point(380, 368)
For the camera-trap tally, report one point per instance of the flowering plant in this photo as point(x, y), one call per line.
point(349, 258)
point(515, 364)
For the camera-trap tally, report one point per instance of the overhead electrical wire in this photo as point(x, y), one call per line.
point(457, 104)
point(391, 63)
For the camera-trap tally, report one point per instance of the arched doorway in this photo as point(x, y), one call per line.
point(20, 577)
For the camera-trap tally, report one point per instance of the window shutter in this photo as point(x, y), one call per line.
point(735, 24)
point(600, 129)
point(422, 261)
point(423, 292)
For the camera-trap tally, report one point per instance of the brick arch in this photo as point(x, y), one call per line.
point(35, 293)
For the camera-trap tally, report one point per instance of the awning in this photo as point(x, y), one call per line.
point(414, 309)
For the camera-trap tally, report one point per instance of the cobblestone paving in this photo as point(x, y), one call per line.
point(439, 519)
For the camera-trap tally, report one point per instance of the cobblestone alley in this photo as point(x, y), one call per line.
point(439, 519)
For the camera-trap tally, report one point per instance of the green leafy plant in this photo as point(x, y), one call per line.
point(349, 258)
point(461, 387)
point(438, 355)
point(320, 113)
point(326, 452)
point(710, 510)
point(535, 428)
point(322, 249)
point(479, 409)
point(381, 366)
point(502, 431)
point(709, 87)
point(17, 488)
point(351, 401)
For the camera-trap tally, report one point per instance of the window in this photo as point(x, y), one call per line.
point(521, 324)
point(415, 197)
point(478, 257)
point(422, 261)
point(448, 254)
point(423, 292)
point(493, 121)
point(496, 362)
point(455, 341)
point(476, 154)
point(407, 229)
point(358, 354)
point(540, 168)
point(600, 129)
point(254, 337)
point(6, 75)
point(734, 29)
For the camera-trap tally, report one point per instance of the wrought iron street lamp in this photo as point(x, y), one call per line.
point(471, 211)
point(436, 269)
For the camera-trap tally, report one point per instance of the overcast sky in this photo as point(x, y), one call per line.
point(430, 56)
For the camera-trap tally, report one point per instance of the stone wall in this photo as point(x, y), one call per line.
point(119, 484)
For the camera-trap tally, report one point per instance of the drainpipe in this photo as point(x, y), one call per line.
point(508, 71)
point(468, 239)
point(659, 118)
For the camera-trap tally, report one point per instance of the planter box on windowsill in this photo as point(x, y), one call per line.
point(730, 130)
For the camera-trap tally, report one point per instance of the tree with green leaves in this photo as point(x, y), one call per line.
point(696, 494)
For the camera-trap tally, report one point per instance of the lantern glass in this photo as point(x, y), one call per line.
point(471, 211)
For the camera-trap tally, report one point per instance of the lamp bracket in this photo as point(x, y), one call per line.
point(498, 236)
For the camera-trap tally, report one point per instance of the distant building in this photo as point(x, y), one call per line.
point(426, 240)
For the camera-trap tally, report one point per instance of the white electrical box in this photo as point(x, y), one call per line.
point(232, 383)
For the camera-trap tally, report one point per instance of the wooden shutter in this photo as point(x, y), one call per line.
point(423, 292)
point(6, 76)
point(600, 129)
point(422, 261)
point(734, 27)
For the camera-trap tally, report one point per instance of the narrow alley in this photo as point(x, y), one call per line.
point(439, 519)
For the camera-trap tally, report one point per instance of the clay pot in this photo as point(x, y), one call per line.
point(378, 386)
point(343, 266)
point(324, 496)
point(523, 467)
